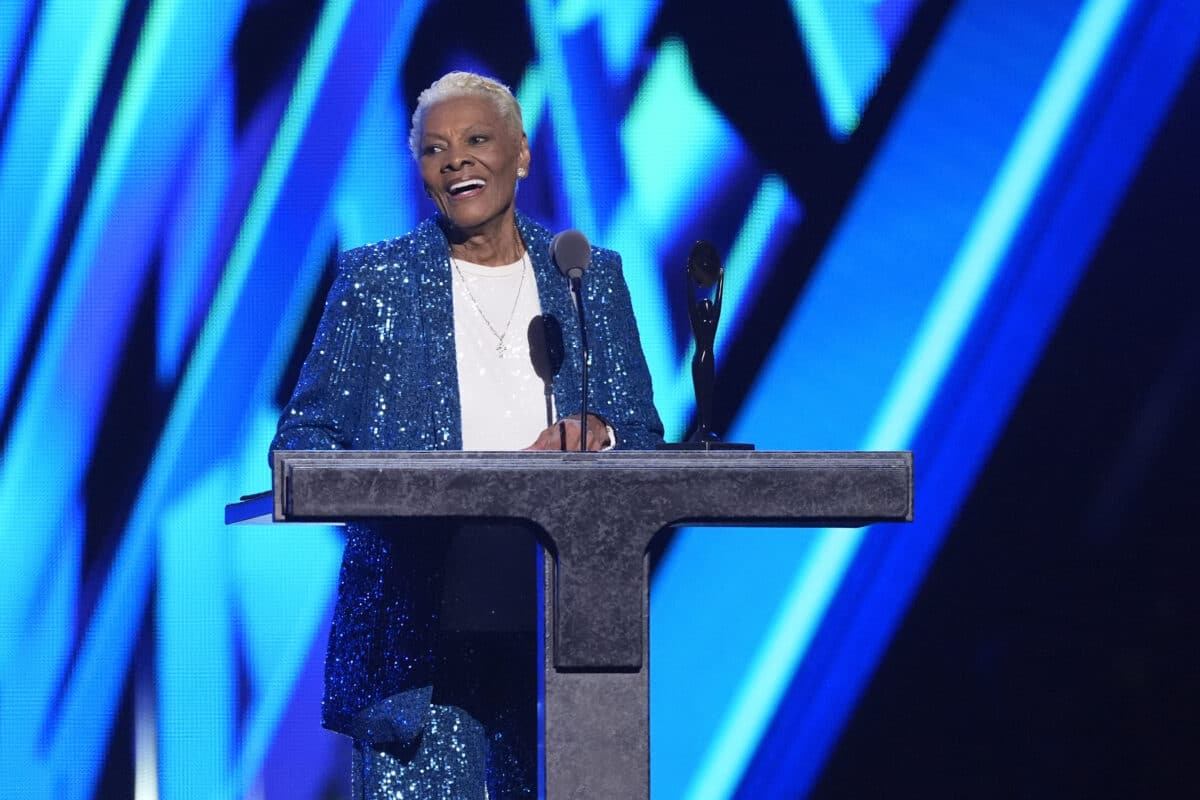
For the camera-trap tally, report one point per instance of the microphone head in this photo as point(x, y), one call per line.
point(704, 264)
point(571, 253)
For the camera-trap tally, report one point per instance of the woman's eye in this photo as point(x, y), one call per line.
point(431, 149)
point(478, 139)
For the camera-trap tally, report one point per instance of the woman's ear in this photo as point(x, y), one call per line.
point(523, 157)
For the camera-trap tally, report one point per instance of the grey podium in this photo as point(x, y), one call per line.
point(596, 514)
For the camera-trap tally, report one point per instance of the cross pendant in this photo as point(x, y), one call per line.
point(500, 348)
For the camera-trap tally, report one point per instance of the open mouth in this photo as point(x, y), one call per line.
point(467, 188)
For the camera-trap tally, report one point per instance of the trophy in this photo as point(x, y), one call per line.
point(704, 271)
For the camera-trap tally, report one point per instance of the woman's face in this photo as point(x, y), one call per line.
point(469, 159)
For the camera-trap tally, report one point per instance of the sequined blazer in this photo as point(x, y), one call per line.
point(382, 375)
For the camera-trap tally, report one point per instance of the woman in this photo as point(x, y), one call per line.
point(460, 335)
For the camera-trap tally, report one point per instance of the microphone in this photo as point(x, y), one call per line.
point(546, 352)
point(571, 253)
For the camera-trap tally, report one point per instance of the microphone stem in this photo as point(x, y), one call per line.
point(577, 290)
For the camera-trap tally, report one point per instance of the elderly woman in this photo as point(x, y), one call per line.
point(460, 335)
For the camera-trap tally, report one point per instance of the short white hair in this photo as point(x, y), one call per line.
point(465, 84)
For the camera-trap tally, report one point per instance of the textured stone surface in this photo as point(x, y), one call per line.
point(598, 513)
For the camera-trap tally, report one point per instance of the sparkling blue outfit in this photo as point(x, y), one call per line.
point(382, 376)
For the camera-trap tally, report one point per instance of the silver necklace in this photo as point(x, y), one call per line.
point(501, 348)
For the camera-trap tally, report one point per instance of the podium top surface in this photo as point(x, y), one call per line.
point(600, 463)
point(761, 487)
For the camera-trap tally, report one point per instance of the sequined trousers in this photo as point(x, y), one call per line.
point(457, 757)
point(463, 726)
point(449, 764)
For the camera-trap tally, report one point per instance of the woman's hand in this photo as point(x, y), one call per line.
point(564, 435)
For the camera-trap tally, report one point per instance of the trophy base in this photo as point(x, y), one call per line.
point(704, 445)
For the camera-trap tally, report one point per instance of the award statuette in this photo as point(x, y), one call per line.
point(704, 271)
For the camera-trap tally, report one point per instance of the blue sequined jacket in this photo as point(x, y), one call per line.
point(382, 375)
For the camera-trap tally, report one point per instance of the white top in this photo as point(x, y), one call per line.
point(505, 405)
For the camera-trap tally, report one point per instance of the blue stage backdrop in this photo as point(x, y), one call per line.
point(907, 194)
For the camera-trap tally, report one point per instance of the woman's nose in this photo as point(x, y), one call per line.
point(455, 160)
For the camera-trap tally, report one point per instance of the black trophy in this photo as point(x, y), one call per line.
point(704, 270)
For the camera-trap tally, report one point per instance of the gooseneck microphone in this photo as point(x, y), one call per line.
point(571, 253)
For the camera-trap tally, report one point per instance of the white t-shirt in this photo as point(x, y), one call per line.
point(505, 404)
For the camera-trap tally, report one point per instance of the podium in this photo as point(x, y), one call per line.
point(596, 514)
